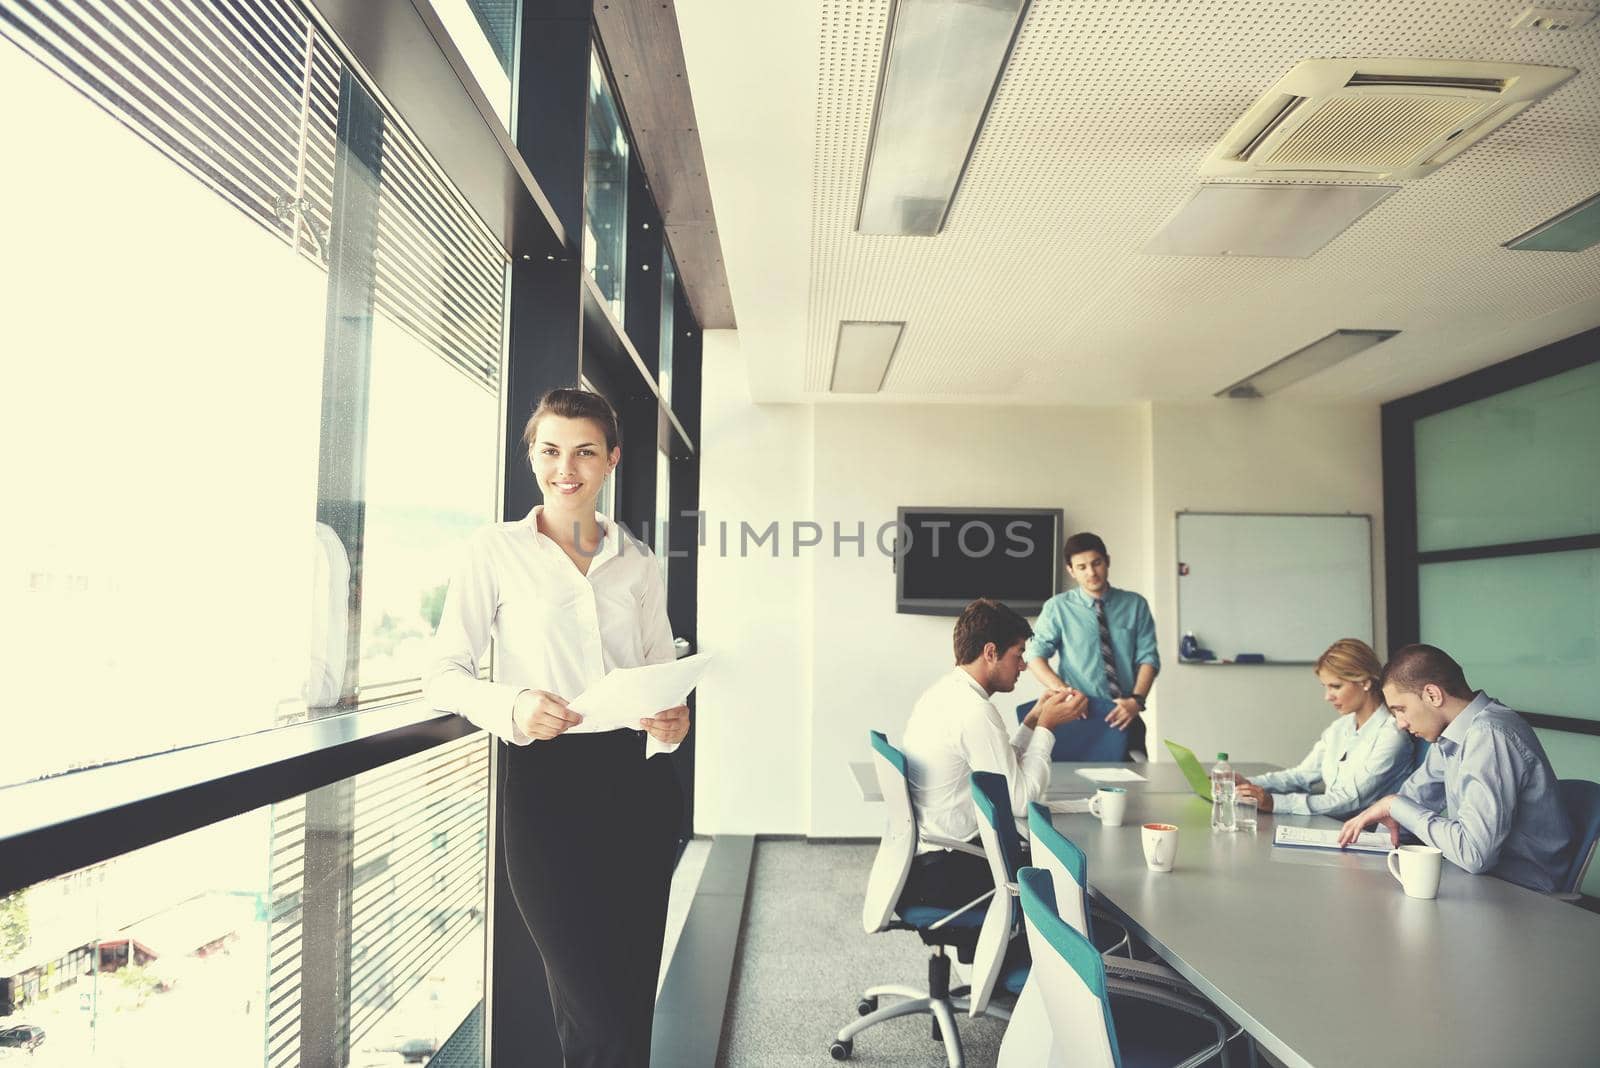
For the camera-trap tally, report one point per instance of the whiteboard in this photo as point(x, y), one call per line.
point(1284, 586)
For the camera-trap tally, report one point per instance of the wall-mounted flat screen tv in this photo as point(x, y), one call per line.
point(947, 557)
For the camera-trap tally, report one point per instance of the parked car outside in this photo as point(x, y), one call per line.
point(24, 1036)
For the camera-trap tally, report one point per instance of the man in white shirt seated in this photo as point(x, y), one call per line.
point(955, 730)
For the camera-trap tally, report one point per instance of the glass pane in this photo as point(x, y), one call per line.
point(663, 508)
point(605, 194)
point(1575, 756)
point(163, 433)
point(225, 946)
point(1519, 466)
point(1526, 629)
point(178, 467)
point(669, 293)
point(485, 32)
point(426, 490)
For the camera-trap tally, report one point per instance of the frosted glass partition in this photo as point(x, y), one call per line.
point(1522, 465)
point(1526, 629)
point(1575, 756)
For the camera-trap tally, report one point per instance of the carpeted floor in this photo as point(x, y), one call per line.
point(804, 961)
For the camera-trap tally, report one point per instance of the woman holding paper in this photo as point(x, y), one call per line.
point(1361, 756)
point(590, 819)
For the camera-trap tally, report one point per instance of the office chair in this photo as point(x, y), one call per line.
point(1087, 740)
point(1077, 995)
point(1580, 798)
point(938, 927)
point(1001, 959)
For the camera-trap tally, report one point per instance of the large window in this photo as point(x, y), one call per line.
point(220, 946)
point(256, 341)
point(669, 302)
point(1501, 483)
point(605, 191)
point(246, 459)
point(485, 33)
point(1494, 538)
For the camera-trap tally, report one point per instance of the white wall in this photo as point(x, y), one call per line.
point(753, 709)
point(1253, 456)
point(870, 663)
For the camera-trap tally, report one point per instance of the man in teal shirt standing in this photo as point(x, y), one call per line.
point(1105, 636)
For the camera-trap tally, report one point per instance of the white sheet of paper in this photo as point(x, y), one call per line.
point(626, 695)
point(1110, 775)
point(1068, 804)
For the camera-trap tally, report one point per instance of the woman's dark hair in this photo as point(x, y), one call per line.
point(575, 404)
point(984, 621)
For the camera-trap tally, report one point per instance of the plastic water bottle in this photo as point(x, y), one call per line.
point(1222, 815)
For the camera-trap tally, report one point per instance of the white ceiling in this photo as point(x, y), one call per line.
point(1037, 292)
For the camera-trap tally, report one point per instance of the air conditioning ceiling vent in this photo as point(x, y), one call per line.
point(1381, 118)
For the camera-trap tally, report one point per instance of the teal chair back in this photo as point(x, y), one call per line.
point(1071, 978)
point(1067, 865)
point(1002, 846)
point(898, 848)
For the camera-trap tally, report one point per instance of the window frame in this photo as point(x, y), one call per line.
point(1403, 559)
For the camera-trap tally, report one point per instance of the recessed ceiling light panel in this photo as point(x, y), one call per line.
point(1303, 363)
point(942, 64)
point(1573, 230)
point(861, 358)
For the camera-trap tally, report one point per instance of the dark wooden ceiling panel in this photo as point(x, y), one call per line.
point(642, 45)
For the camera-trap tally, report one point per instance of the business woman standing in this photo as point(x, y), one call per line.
point(590, 820)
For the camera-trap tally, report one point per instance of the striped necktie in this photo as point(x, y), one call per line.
point(1106, 657)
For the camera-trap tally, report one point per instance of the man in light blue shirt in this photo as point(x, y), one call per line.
point(1105, 636)
point(1486, 795)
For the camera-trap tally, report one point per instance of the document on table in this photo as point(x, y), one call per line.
point(1328, 838)
point(1110, 775)
point(1064, 805)
point(626, 695)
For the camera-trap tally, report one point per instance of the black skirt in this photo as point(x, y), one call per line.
point(590, 830)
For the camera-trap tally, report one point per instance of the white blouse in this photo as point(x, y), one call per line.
point(554, 628)
point(955, 730)
point(1353, 767)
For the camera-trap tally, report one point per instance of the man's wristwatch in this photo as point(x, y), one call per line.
point(1139, 698)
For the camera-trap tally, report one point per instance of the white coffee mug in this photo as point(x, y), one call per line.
point(1160, 846)
point(1417, 868)
point(1109, 803)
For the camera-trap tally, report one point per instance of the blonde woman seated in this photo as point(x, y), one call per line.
point(1360, 757)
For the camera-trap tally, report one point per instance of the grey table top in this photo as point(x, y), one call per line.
point(1066, 782)
point(1327, 963)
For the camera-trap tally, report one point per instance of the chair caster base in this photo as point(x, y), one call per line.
point(866, 1006)
point(841, 1050)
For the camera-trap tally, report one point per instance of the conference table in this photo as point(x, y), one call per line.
point(1323, 959)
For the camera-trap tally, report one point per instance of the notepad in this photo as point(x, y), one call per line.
point(1110, 775)
point(1328, 838)
point(1065, 805)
